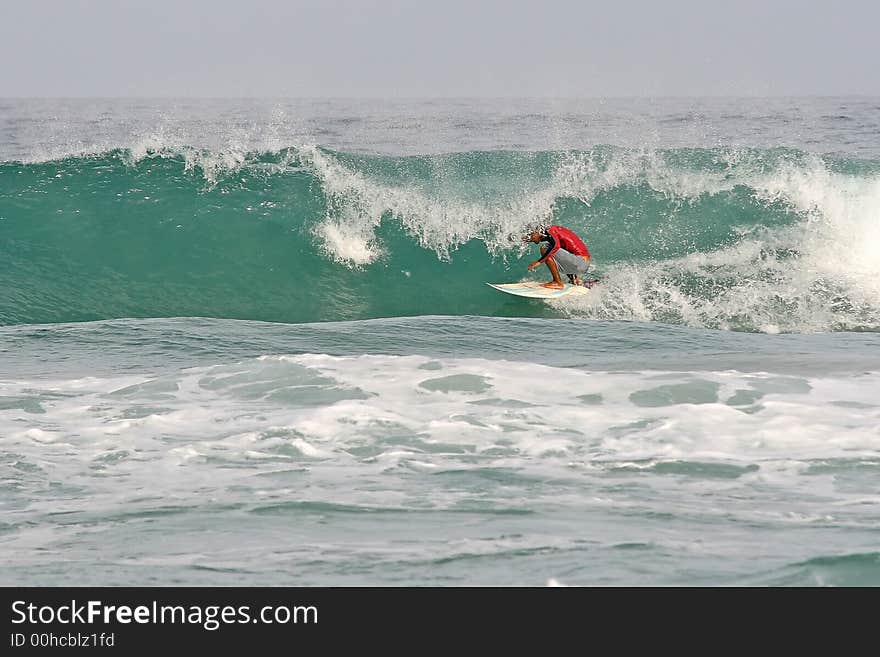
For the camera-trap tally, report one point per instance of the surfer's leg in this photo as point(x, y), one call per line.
point(556, 283)
point(577, 280)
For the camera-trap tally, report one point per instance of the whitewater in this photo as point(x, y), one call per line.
point(250, 342)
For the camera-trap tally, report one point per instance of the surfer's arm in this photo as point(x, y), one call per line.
point(552, 248)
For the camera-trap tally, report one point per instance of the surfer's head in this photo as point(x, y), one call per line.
point(536, 234)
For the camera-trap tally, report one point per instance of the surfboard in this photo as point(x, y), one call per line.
point(534, 290)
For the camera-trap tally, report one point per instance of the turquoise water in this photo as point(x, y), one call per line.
point(250, 342)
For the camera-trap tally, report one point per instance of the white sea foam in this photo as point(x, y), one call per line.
point(516, 411)
point(317, 455)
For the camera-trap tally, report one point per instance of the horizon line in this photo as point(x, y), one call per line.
point(447, 98)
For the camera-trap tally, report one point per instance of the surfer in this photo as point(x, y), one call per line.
point(564, 253)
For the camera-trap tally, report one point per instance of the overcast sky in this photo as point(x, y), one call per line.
point(443, 48)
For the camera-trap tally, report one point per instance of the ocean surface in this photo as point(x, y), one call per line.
point(249, 342)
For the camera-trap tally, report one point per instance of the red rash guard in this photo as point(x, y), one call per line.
point(560, 237)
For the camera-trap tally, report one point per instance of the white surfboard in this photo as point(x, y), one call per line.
point(535, 290)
